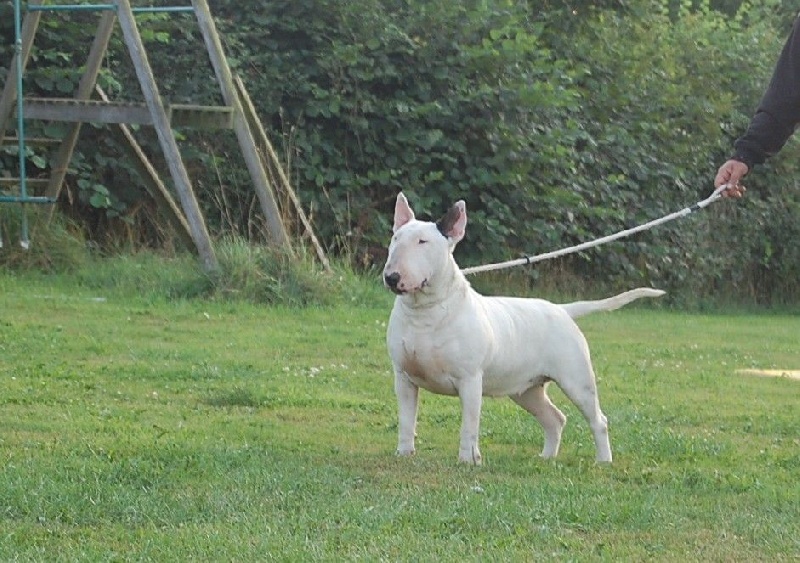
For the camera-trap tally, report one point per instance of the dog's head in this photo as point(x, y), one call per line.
point(421, 250)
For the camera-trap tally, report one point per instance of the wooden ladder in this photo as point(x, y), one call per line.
point(82, 108)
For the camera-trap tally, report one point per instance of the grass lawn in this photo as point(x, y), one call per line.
point(134, 428)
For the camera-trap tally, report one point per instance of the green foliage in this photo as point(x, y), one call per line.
point(364, 127)
point(557, 125)
point(646, 109)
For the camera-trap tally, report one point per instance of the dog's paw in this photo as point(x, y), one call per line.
point(405, 451)
point(471, 456)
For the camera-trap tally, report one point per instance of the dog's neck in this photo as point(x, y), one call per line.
point(449, 285)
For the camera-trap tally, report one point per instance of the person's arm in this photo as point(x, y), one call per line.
point(778, 113)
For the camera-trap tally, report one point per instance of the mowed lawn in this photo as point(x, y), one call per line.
point(136, 429)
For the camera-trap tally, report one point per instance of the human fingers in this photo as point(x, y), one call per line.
point(730, 173)
point(734, 191)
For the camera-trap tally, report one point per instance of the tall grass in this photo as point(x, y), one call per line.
point(268, 275)
point(262, 274)
point(247, 272)
point(55, 246)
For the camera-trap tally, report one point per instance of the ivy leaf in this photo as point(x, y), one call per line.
point(99, 200)
point(39, 161)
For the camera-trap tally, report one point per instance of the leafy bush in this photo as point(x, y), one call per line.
point(556, 125)
point(651, 140)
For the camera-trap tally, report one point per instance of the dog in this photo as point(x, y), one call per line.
point(445, 337)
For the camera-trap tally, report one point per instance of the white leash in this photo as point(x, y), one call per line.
point(717, 194)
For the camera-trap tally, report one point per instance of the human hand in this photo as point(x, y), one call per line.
point(731, 173)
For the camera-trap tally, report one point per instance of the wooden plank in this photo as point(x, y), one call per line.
point(169, 146)
point(86, 111)
point(30, 182)
point(40, 141)
point(132, 113)
point(244, 135)
point(255, 123)
point(200, 117)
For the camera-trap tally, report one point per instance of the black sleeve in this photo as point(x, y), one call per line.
point(778, 113)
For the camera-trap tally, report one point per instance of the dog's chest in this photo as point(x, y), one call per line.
point(429, 364)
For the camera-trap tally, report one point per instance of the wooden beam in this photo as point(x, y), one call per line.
point(247, 143)
point(132, 113)
point(200, 117)
point(152, 182)
point(40, 141)
point(255, 123)
point(169, 146)
point(31, 182)
point(86, 111)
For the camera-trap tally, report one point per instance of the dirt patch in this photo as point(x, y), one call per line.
point(786, 373)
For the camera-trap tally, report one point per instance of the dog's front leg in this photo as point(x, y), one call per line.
point(407, 401)
point(471, 394)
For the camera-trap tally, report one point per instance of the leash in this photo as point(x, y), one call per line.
point(525, 260)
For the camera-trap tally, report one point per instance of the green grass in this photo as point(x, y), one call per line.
point(140, 428)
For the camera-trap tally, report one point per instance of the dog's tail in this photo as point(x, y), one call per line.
point(581, 308)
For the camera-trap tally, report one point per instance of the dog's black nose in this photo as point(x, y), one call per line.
point(391, 280)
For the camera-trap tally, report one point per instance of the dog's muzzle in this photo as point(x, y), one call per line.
point(392, 281)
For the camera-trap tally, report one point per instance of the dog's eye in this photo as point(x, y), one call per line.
point(423, 241)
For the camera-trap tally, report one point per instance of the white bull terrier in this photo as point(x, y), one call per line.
point(445, 337)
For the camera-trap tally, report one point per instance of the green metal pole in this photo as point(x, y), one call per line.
point(23, 188)
point(72, 8)
point(101, 7)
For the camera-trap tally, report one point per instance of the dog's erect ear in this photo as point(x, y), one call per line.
point(402, 212)
point(453, 224)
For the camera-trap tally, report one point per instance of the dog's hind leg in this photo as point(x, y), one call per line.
point(581, 389)
point(536, 402)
